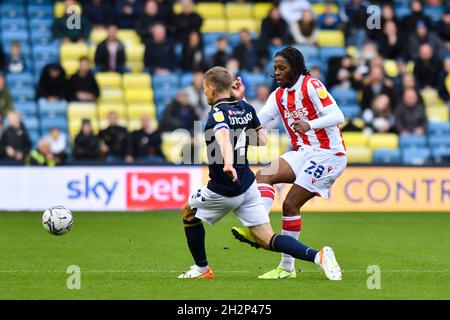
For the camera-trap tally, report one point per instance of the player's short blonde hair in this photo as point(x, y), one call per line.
point(219, 78)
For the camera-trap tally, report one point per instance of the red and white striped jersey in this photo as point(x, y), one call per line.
point(307, 100)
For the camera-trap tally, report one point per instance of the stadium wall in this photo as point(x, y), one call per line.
point(168, 187)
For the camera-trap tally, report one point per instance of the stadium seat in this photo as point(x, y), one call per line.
point(438, 128)
point(319, 8)
point(412, 141)
point(236, 25)
point(9, 25)
point(28, 109)
point(413, 156)
point(12, 11)
point(40, 11)
point(326, 53)
point(34, 137)
point(186, 79)
point(330, 38)
point(437, 114)
point(387, 156)
point(383, 141)
point(49, 123)
point(261, 10)
point(173, 143)
point(81, 110)
point(70, 66)
point(359, 155)
point(51, 109)
point(308, 51)
point(41, 37)
point(135, 111)
point(111, 95)
point(441, 155)
point(142, 80)
point(105, 108)
point(437, 142)
point(31, 123)
point(163, 82)
point(252, 81)
point(73, 51)
point(138, 96)
point(355, 139)
point(214, 25)
point(128, 36)
point(48, 53)
point(431, 98)
point(344, 96)
point(135, 52)
point(19, 80)
point(108, 80)
point(210, 10)
point(351, 111)
point(21, 95)
point(165, 96)
point(75, 126)
point(434, 12)
point(41, 24)
point(19, 35)
point(98, 35)
point(238, 11)
point(391, 68)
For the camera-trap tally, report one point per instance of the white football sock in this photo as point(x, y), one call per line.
point(292, 227)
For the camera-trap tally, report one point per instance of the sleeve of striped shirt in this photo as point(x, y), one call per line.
point(269, 111)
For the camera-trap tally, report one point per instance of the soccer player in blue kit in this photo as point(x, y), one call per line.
point(232, 125)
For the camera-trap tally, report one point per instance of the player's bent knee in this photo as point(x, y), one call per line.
point(187, 213)
point(263, 178)
point(290, 208)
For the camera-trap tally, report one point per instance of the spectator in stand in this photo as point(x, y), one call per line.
point(53, 84)
point(110, 53)
point(165, 7)
point(355, 17)
point(15, 62)
point(379, 118)
point(387, 15)
point(42, 156)
point(443, 29)
point(58, 145)
point(427, 68)
point(250, 55)
point(145, 22)
point(291, 10)
point(315, 72)
point(127, 11)
point(100, 13)
point(192, 53)
point(179, 114)
point(410, 116)
point(444, 81)
point(262, 94)
point(341, 74)
point(2, 57)
point(390, 42)
point(222, 55)
point(376, 84)
point(329, 19)
point(409, 23)
point(83, 85)
point(159, 56)
point(233, 68)
point(63, 30)
point(274, 30)
point(86, 145)
point(14, 141)
point(5, 97)
point(305, 31)
point(147, 143)
point(196, 97)
point(115, 141)
point(187, 21)
point(423, 36)
point(408, 82)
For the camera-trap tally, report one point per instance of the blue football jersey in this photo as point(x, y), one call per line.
point(238, 117)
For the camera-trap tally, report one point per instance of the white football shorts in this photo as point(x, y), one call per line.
point(211, 207)
point(315, 170)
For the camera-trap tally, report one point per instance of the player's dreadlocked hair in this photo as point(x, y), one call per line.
point(295, 58)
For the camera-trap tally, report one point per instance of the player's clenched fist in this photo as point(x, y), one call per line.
point(229, 170)
point(300, 126)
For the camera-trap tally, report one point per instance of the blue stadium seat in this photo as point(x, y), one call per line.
point(164, 96)
point(48, 53)
point(252, 81)
point(58, 122)
point(412, 141)
point(402, 12)
point(351, 111)
point(19, 80)
point(12, 11)
point(34, 2)
point(163, 82)
point(386, 156)
point(309, 52)
point(22, 95)
point(210, 38)
point(40, 11)
point(41, 24)
point(19, 35)
point(49, 109)
point(344, 96)
point(329, 52)
point(9, 25)
point(414, 156)
point(434, 12)
point(441, 155)
point(41, 37)
point(441, 142)
point(34, 137)
point(15, 2)
point(31, 123)
point(28, 109)
point(438, 128)
point(25, 49)
point(186, 79)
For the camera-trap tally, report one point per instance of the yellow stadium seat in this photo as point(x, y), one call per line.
point(105, 108)
point(132, 81)
point(239, 11)
point(176, 8)
point(73, 51)
point(92, 50)
point(138, 96)
point(330, 38)
point(437, 114)
point(135, 52)
point(128, 36)
point(359, 155)
point(98, 35)
point(70, 66)
point(136, 124)
point(111, 95)
point(236, 25)
point(447, 82)
point(214, 25)
point(261, 10)
point(383, 141)
point(135, 111)
point(135, 66)
point(319, 8)
point(173, 144)
point(431, 98)
point(355, 139)
point(391, 68)
point(410, 67)
point(109, 80)
point(210, 10)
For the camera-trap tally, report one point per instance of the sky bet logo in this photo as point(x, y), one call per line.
point(91, 189)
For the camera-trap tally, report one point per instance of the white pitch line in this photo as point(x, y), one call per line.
point(221, 271)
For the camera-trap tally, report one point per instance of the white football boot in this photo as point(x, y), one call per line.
point(329, 265)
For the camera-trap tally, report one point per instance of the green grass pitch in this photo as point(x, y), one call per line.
point(138, 256)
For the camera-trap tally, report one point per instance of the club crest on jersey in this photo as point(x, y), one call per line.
point(218, 116)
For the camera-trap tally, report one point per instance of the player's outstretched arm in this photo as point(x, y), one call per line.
point(223, 139)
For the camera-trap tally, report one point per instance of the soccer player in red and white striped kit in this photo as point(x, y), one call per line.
point(311, 118)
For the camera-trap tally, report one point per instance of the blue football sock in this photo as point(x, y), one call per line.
point(195, 235)
point(292, 247)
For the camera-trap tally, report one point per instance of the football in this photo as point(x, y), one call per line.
point(57, 220)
